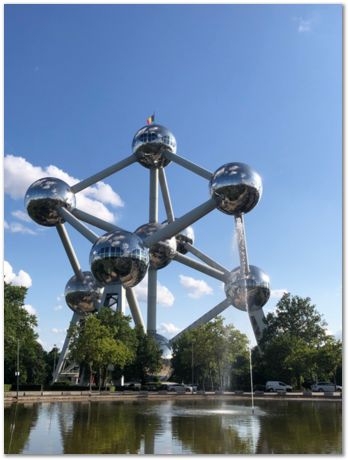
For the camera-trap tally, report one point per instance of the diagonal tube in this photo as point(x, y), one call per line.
point(104, 173)
point(165, 195)
point(75, 318)
point(196, 252)
point(205, 318)
point(92, 220)
point(62, 232)
point(85, 231)
point(210, 271)
point(179, 224)
point(258, 323)
point(188, 165)
point(134, 308)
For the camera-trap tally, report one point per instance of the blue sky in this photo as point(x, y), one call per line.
point(255, 84)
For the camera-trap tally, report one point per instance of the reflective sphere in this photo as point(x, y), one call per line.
point(236, 188)
point(82, 296)
point(119, 256)
point(257, 286)
point(149, 144)
point(164, 345)
point(161, 253)
point(185, 236)
point(44, 197)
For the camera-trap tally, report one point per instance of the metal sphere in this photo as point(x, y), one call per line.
point(236, 188)
point(150, 143)
point(44, 198)
point(164, 345)
point(161, 253)
point(82, 295)
point(185, 236)
point(257, 285)
point(119, 256)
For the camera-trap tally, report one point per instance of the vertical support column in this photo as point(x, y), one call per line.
point(113, 297)
point(152, 273)
point(153, 209)
point(151, 301)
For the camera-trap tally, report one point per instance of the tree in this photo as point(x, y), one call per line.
point(148, 358)
point(19, 326)
point(92, 344)
point(295, 344)
point(210, 352)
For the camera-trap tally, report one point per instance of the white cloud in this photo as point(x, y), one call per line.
point(54, 330)
point(21, 215)
point(164, 296)
point(22, 279)
point(30, 309)
point(58, 307)
point(305, 25)
point(17, 227)
point(196, 288)
point(92, 200)
point(168, 329)
point(278, 293)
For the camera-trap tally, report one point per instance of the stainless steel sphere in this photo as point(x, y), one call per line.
point(236, 188)
point(150, 143)
point(185, 236)
point(161, 253)
point(164, 345)
point(82, 295)
point(257, 287)
point(119, 256)
point(44, 198)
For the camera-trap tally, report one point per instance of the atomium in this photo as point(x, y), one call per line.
point(119, 260)
point(45, 197)
point(119, 256)
point(150, 144)
point(161, 253)
point(251, 293)
point(236, 188)
point(82, 293)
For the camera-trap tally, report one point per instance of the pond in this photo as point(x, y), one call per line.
point(174, 427)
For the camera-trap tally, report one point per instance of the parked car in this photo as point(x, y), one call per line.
point(132, 386)
point(323, 386)
point(179, 388)
point(277, 385)
point(191, 387)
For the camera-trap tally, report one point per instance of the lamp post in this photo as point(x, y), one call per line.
point(54, 359)
point(192, 367)
point(17, 372)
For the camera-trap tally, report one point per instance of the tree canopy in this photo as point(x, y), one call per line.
point(296, 346)
point(19, 328)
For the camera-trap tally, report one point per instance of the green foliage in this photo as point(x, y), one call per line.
point(210, 353)
point(295, 345)
point(19, 326)
point(147, 357)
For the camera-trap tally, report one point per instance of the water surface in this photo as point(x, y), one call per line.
point(174, 427)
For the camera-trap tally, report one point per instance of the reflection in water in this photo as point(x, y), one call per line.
point(19, 420)
point(174, 427)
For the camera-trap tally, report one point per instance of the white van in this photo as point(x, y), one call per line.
point(276, 385)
